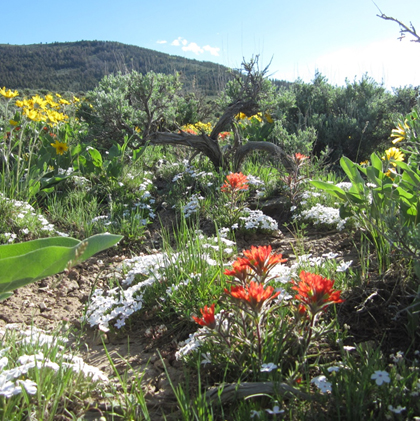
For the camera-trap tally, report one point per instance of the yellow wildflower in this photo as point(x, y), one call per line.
point(268, 118)
point(50, 101)
point(256, 117)
point(137, 129)
point(391, 173)
point(400, 133)
point(13, 122)
point(8, 94)
point(203, 127)
point(33, 115)
point(64, 102)
point(55, 116)
point(393, 154)
point(75, 99)
point(58, 95)
point(38, 102)
point(59, 147)
point(240, 116)
point(364, 163)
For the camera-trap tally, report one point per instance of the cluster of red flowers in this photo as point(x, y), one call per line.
point(254, 295)
point(258, 263)
point(251, 272)
point(300, 157)
point(208, 317)
point(188, 130)
point(314, 292)
point(224, 135)
point(235, 182)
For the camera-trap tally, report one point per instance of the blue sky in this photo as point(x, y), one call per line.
point(340, 38)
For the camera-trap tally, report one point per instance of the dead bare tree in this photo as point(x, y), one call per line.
point(251, 88)
point(404, 29)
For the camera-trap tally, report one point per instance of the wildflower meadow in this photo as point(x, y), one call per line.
point(205, 265)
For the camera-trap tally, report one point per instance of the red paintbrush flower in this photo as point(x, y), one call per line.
point(235, 182)
point(254, 295)
point(316, 292)
point(224, 135)
point(261, 260)
point(300, 157)
point(240, 270)
point(208, 317)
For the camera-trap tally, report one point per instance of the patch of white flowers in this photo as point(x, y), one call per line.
point(192, 206)
point(320, 214)
point(13, 369)
point(118, 304)
point(256, 219)
point(190, 171)
point(23, 213)
point(141, 211)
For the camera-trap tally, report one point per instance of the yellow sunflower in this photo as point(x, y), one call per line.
point(393, 154)
point(400, 133)
point(8, 94)
point(59, 147)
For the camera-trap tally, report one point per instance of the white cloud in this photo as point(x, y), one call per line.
point(161, 42)
point(193, 47)
point(176, 42)
point(389, 61)
point(214, 51)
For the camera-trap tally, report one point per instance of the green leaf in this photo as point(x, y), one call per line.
point(115, 151)
point(75, 150)
point(330, 189)
point(346, 212)
point(5, 295)
point(376, 162)
point(96, 157)
point(350, 168)
point(137, 153)
point(24, 263)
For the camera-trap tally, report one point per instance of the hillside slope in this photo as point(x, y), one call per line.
point(79, 66)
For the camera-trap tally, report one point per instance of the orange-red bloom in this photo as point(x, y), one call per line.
point(208, 317)
point(316, 292)
point(261, 260)
point(224, 135)
point(300, 157)
point(253, 295)
point(240, 270)
point(235, 182)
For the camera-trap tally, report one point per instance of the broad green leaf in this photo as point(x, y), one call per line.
point(356, 198)
point(376, 162)
point(330, 189)
point(24, 263)
point(5, 295)
point(18, 249)
point(115, 151)
point(350, 168)
point(96, 157)
point(75, 150)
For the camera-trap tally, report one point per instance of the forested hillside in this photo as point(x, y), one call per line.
point(79, 66)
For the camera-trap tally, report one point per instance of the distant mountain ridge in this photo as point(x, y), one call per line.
point(79, 66)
